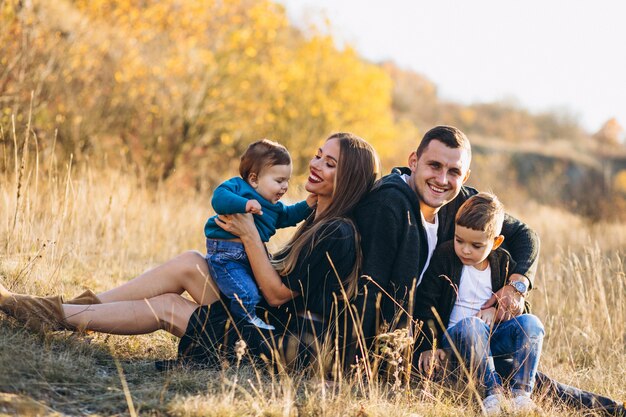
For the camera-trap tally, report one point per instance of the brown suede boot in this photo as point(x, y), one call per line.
point(36, 313)
point(86, 298)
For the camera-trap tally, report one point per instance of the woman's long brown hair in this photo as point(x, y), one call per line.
point(357, 170)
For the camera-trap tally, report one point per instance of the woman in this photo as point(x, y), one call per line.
point(317, 268)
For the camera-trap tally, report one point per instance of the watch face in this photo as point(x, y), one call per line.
point(519, 286)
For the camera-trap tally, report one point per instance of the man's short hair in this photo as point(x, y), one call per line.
point(483, 212)
point(448, 135)
point(260, 154)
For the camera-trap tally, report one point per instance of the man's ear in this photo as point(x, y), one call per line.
point(497, 241)
point(467, 175)
point(413, 161)
point(253, 180)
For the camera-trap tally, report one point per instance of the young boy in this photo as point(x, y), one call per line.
point(462, 277)
point(265, 169)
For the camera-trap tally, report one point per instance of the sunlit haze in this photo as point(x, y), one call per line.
point(545, 55)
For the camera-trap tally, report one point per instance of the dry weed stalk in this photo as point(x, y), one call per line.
point(75, 226)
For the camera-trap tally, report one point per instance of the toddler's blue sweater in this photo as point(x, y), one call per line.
point(231, 197)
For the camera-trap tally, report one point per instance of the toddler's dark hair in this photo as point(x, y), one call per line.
point(260, 154)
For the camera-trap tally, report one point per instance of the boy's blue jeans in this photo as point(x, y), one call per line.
point(520, 338)
point(230, 269)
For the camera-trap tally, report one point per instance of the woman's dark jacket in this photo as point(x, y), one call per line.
point(212, 335)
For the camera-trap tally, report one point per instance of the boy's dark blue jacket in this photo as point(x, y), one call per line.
point(231, 197)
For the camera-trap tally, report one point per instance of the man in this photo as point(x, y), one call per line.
point(408, 213)
point(401, 222)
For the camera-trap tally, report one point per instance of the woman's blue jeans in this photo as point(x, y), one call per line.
point(520, 338)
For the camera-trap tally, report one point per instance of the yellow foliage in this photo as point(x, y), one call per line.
point(619, 182)
point(187, 85)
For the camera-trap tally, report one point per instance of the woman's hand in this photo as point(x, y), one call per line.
point(270, 283)
point(239, 224)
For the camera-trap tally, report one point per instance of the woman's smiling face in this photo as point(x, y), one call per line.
point(323, 168)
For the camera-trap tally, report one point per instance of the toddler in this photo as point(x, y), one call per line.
point(265, 169)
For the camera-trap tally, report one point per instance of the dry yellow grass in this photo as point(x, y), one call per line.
point(64, 228)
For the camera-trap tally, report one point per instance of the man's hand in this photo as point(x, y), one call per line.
point(510, 302)
point(254, 207)
point(431, 361)
point(488, 315)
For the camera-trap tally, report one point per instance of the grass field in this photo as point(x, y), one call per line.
point(63, 229)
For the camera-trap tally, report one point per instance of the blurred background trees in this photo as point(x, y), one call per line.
point(183, 87)
point(175, 90)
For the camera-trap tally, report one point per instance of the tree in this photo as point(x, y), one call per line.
point(180, 88)
point(609, 134)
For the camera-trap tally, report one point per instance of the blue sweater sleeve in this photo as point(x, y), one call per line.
point(294, 214)
point(226, 198)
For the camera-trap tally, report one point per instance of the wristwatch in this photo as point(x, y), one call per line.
point(520, 287)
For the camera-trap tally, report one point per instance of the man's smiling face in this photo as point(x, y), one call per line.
point(437, 176)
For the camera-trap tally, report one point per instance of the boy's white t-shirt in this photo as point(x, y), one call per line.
point(474, 290)
point(431, 235)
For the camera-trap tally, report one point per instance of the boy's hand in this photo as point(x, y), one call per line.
point(431, 361)
point(254, 207)
point(487, 315)
point(311, 200)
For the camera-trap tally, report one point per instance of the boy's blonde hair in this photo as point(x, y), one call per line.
point(483, 212)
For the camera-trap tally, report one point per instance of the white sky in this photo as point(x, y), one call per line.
point(546, 54)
